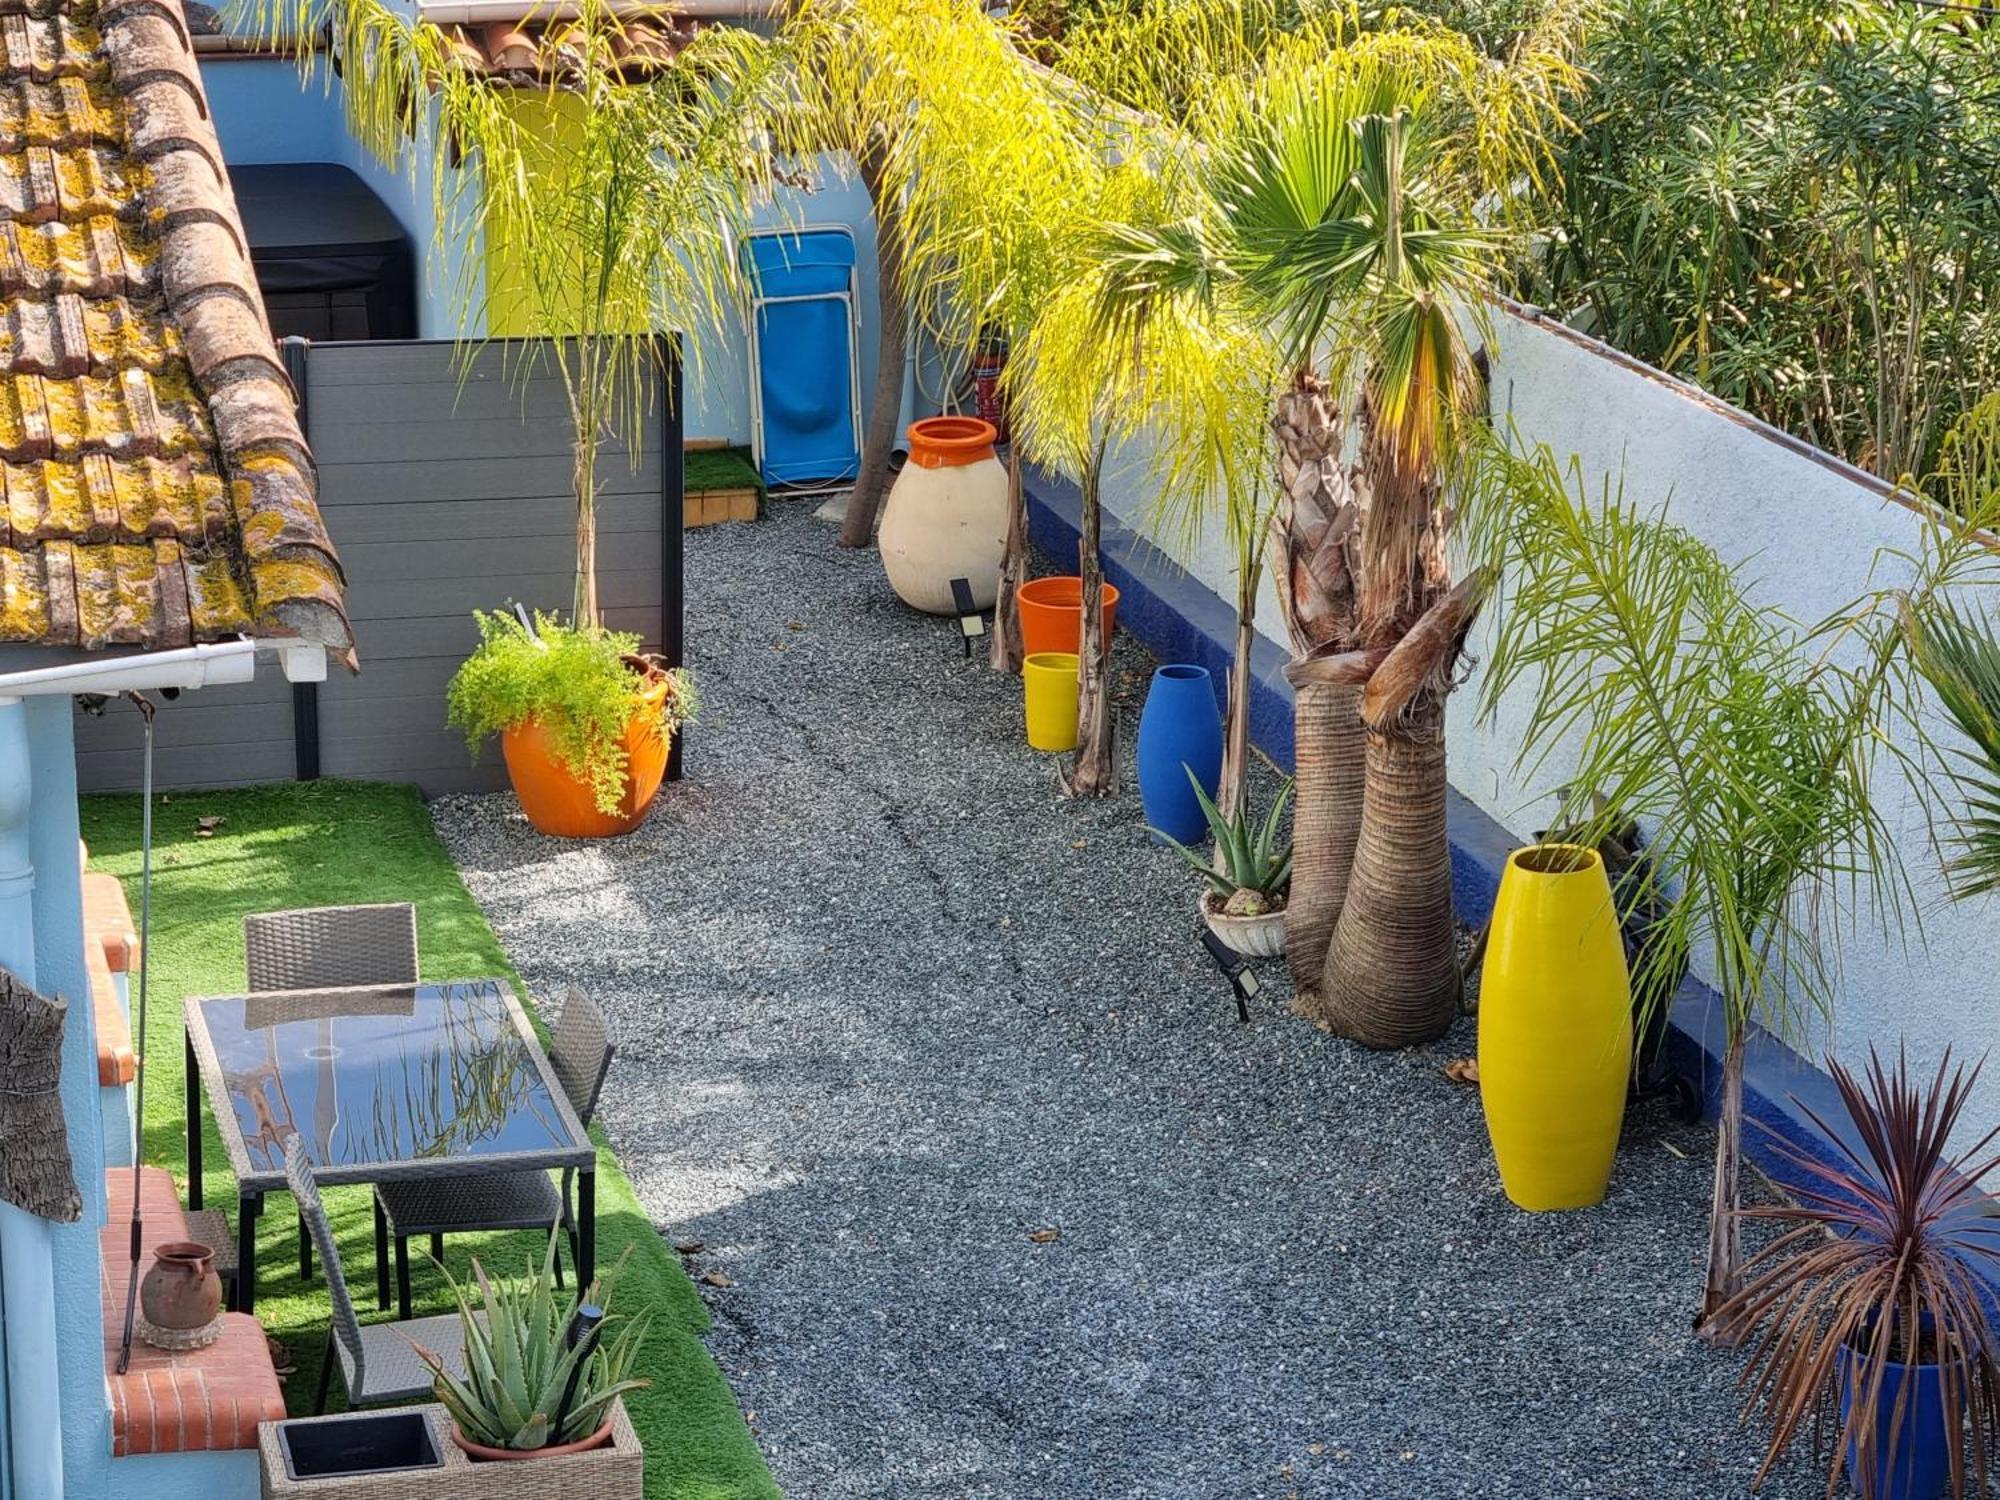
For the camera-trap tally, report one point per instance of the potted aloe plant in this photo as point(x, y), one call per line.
point(1250, 875)
point(585, 721)
point(1869, 1312)
point(543, 1375)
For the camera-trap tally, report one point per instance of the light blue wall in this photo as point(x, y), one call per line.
point(185, 1476)
point(265, 112)
point(59, 970)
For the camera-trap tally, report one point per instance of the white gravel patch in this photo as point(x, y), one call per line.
point(891, 1010)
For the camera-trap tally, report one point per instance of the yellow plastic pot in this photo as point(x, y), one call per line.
point(1048, 680)
point(1555, 1028)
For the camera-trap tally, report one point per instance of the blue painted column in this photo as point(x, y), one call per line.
point(27, 1243)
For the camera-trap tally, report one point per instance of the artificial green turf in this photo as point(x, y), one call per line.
point(718, 469)
point(330, 843)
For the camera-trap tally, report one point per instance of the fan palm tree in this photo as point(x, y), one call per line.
point(1328, 209)
point(611, 193)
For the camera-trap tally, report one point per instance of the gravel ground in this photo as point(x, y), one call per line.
point(930, 1063)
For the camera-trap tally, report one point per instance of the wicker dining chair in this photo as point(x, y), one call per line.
point(331, 947)
point(581, 1044)
point(377, 1363)
point(319, 948)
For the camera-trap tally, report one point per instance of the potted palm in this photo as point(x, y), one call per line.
point(585, 721)
point(1870, 1310)
point(1249, 877)
point(542, 1378)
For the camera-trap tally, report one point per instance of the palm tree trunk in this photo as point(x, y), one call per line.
point(1391, 977)
point(1312, 535)
point(583, 398)
point(878, 443)
point(1725, 1247)
point(1236, 718)
point(1095, 771)
point(1005, 652)
point(1328, 749)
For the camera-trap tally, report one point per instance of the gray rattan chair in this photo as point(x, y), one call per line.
point(376, 1362)
point(331, 947)
point(325, 948)
point(580, 1048)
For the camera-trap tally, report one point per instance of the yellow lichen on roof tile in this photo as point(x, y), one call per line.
point(140, 505)
point(216, 600)
point(279, 581)
point(115, 593)
point(46, 499)
point(24, 596)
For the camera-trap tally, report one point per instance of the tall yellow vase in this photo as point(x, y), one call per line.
point(1555, 1028)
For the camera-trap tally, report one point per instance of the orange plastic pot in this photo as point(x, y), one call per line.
point(1052, 614)
point(559, 803)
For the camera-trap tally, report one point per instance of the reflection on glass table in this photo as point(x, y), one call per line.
point(383, 1084)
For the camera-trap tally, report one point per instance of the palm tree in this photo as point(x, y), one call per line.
point(1329, 207)
point(611, 195)
point(1744, 743)
point(1000, 172)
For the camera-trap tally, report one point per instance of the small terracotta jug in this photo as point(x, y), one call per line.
point(180, 1295)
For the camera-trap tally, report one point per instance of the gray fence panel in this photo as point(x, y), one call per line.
point(446, 486)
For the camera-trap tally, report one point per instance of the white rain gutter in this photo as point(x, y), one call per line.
point(188, 667)
point(483, 12)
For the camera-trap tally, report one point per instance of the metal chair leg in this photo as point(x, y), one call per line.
point(381, 1257)
point(327, 1357)
point(437, 1248)
point(403, 1277)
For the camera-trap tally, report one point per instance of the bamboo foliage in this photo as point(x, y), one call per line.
point(610, 202)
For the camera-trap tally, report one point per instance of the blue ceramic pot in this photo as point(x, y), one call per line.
point(1180, 727)
point(1921, 1466)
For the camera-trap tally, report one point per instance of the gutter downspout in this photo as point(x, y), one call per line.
point(27, 1244)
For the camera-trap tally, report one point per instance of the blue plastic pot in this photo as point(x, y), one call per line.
point(1180, 727)
point(1920, 1468)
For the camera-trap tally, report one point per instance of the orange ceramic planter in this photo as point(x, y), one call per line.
point(1052, 614)
point(950, 442)
point(559, 804)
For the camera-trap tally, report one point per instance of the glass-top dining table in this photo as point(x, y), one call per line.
point(387, 1083)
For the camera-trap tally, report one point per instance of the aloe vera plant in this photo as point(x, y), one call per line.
point(1252, 867)
point(518, 1361)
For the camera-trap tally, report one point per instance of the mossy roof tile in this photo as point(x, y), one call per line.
point(155, 488)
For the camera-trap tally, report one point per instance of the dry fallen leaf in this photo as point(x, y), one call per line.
point(1462, 1070)
point(689, 1247)
point(1045, 1236)
point(716, 1278)
point(204, 827)
point(1079, 843)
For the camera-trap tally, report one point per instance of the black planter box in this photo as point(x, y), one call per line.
point(347, 1447)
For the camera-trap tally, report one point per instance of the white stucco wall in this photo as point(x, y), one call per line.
point(1812, 536)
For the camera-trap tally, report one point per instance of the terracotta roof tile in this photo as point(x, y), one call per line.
point(155, 487)
point(521, 50)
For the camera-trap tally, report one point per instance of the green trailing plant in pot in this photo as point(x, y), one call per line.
point(537, 1377)
point(1250, 876)
point(1868, 1314)
point(584, 719)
